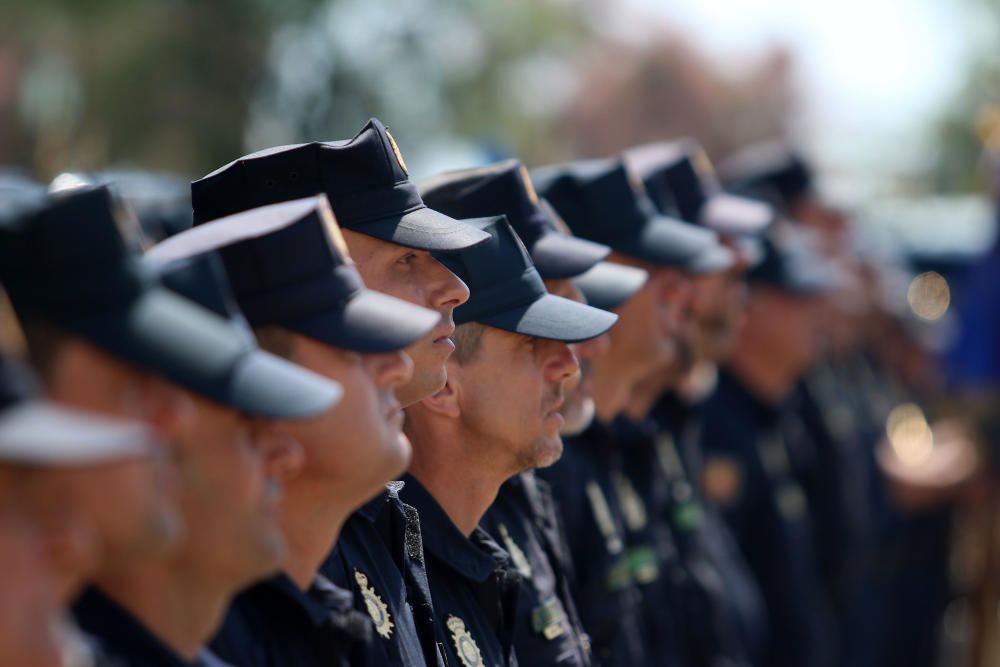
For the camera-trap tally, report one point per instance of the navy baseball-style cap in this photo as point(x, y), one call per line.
point(508, 293)
point(38, 432)
point(609, 285)
point(790, 264)
point(161, 201)
point(259, 383)
point(773, 171)
point(68, 263)
point(679, 177)
point(505, 188)
point(602, 201)
point(288, 265)
point(365, 179)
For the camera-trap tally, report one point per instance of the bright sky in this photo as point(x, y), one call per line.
point(874, 71)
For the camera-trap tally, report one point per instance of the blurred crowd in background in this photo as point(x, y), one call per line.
point(154, 94)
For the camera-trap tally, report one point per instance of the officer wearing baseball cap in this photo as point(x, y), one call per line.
point(721, 615)
point(512, 345)
point(56, 464)
point(602, 200)
point(300, 290)
point(749, 441)
point(121, 308)
point(522, 518)
point(390, 233)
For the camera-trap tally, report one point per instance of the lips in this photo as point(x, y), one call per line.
point(443, 332)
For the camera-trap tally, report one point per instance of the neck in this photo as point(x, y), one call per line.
point(445, 464)
point(763, 376)
point(611, 391)
point(182, 608)
point(311, 529)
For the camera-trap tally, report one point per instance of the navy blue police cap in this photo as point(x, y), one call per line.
point(791, 264)
point(68, 263)
point(365, 179)
point(161, 201)
point(261, 383)
point(772, 171)
point(679, 177)
point(506, 189)
point(288, 265)
point(601, 200)
point(38, 432)
point(508, 293)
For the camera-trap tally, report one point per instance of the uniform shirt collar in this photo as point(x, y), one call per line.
point(374, 507)
point(324, 603)
point(120, 635)
point(476, 557)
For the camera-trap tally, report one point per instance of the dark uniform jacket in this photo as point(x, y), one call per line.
point(380, 558)
point(583, 486)
point(118, 639)
point(733, 628)
point(276, 624)
point(523, 521)
point(473, 584)
point(749, 472)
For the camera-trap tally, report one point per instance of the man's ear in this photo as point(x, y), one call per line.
point(445, 402)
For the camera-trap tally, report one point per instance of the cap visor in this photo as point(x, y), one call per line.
point(714, 260)
point(425, 229)
point(45, 434)
point(609, 285)
point(370, 322)
point(558, 256)
point(669, 242)
point(268, 386)
point(730, 214)
point(555, 318)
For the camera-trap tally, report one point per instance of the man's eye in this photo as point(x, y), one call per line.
point(407, 258)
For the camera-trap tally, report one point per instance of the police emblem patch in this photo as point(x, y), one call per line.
point(465, 645)
point(377, 608)
point(395, 149)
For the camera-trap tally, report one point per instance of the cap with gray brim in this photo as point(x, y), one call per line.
point(288, 265)
point(508, 293)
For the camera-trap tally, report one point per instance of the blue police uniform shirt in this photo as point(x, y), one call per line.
point(473, 585)
point(547, 629)
point(582, 482)
point(118, 638)
point(732, 627)
point(749, 473)
point(276, 624)
point(652, 551)
point(379, 557)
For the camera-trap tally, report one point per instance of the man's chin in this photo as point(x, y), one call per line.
point(423, 385)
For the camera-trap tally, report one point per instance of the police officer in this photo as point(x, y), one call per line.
point(141, 321)
point(603, 202)
point(496, 417)
point(390, 233)
point(732, 627)
point(58, 467)
point(748, 439)
point(522, 519)
point(316, 311)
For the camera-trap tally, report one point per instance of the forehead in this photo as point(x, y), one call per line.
point(364, 247)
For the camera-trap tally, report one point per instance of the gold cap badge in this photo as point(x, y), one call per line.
point(395, 149)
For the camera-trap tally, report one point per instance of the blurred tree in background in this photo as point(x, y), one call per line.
point(187, 85)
